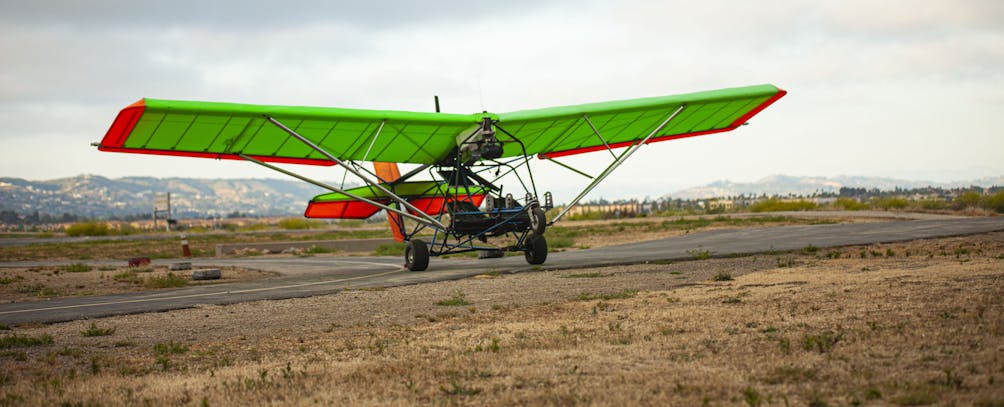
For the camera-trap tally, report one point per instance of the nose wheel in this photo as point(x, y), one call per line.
point(538, 221)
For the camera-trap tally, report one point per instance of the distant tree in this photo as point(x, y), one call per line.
point(9, 217)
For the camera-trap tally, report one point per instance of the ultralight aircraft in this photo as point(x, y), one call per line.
point(454, 192)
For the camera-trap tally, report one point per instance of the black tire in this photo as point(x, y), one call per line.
point(416, 255)
point(538, 221)
point(490, 254)
point(536, 249)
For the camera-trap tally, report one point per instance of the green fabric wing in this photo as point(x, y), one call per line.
point(223, 130)
point(564, 130)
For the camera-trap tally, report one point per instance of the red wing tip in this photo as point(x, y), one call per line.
point(138, 103)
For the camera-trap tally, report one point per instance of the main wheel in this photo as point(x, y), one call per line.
point(536, 249)
point(416, 255)
point(538, 221)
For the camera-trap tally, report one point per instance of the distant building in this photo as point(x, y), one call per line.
point(611, 210)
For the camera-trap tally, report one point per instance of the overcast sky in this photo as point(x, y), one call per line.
point(901, 88)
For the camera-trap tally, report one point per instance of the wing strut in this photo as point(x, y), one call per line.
point(590, 122)
point(624, 156)
point(428, 219)
point(338, 190)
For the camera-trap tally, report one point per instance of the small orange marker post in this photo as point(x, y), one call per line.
point(185, 252)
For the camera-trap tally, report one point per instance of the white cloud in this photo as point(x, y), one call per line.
point(908, 87)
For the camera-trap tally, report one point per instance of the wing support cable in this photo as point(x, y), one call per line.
point(610, 168)
point(427, 219)
point(569, 167)
point(338, 190)
point(597, 132)
point(377, 134)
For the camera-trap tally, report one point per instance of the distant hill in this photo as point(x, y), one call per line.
point(99, 197)
point(785, 184)
point(91, 196)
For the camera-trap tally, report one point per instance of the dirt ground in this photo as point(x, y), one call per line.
point(80, 279)
point(912, 323)
point(86, 278)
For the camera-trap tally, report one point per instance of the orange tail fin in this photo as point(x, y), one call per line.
point(389, 172)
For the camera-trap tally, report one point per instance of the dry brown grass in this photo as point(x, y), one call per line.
point(827, 328)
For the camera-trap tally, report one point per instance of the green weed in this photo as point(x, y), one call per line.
point(700, 254)
point(170, 348)
point(458, 299)
point(752, 397)
point(166, 281)
point(76, 268)
point(722, 276)
point(392, 249)
point(821, 342)
point(560, 242)
point(18, 341)
point(93, 330)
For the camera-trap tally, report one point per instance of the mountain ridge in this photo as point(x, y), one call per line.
point(779, 184)
point(94, 196)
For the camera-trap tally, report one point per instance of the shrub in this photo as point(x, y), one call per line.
point(994, 202)
point(890, 202)
point(850, 204)
point(298, 223)
point(777, 205)
point(932, 204)
point(90, 228)
point(967, 200)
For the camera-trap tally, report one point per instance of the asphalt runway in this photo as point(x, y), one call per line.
point(310, 276)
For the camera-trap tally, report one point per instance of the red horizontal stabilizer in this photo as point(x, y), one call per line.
point(340, 210)
point(434, 205)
